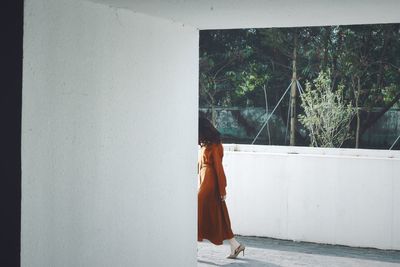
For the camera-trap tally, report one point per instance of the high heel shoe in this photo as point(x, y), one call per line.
point(239, 249)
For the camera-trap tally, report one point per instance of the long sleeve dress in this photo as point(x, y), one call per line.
point(213, 218)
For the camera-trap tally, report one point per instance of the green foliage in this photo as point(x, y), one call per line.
point(389, 92)
point(326, 115)
point(235, 66)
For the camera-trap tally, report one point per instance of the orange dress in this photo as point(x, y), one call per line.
point(213, 218)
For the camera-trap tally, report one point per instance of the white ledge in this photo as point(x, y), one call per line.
point(316, 151)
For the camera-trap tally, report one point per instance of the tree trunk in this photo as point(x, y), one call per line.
point(213, 114)
point(379, 78)
point(211, 102)
point(266, 112)
point(326, 48)
point(336, 52)
point(293, 93)
point(357, 94)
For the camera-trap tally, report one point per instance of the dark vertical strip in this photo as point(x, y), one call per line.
point(10, 114)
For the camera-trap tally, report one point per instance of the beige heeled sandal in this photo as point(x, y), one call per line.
point(239, 249)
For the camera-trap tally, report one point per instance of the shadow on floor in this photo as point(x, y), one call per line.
point(241, 262)
point(392, 256)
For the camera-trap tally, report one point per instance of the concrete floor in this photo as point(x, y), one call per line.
point(271, 252)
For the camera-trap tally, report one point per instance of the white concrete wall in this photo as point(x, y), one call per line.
point(338, 199)
point(233, 14)
point(109, 132)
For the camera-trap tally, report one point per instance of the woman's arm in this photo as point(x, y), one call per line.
point(217, 155)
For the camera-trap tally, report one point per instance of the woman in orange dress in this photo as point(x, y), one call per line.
point(213, 218)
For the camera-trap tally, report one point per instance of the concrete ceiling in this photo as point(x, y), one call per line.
point(230, 14)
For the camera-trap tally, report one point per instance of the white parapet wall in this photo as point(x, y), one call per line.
point(336, 196)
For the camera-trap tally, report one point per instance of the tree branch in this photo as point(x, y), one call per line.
point(372, 121)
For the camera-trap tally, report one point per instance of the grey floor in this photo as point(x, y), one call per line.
point(271, 252)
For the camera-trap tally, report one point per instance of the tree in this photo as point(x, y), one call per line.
point(293, 93)
point(363, 59)
point(326, 115)
point(369, 65)
point(222, 53)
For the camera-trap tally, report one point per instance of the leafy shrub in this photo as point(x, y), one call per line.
point(326, 116)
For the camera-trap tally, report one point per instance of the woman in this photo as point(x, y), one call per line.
point(213, 219)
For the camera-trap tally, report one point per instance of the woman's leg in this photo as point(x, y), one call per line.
point(234, 244)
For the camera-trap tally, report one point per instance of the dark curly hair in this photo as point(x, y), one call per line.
point(208, 134)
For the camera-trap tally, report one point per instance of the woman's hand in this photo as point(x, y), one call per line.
point(223, 198)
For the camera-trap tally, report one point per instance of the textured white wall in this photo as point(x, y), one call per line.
point(109, 137)
point(230, 14)
point(336, 199)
